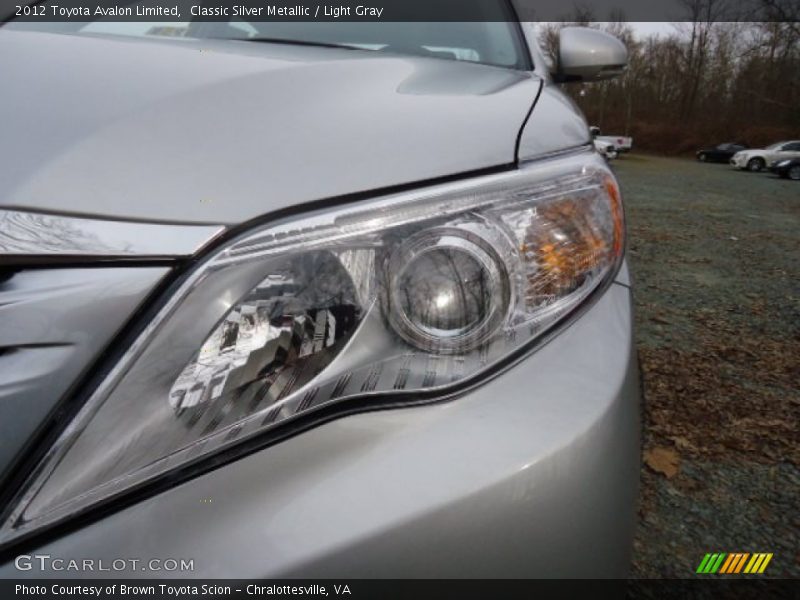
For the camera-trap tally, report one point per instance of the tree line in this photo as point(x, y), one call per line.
point(712, 80)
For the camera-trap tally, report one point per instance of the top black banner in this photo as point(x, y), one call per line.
point(400, 10)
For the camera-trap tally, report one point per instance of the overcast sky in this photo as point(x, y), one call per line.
point(644, 29)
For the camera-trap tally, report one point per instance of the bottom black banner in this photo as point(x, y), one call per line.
point(388, 589)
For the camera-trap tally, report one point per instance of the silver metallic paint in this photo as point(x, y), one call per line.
point(40, 234)
point(215, 131)
point(519, 478)
point(624, 274)
point(586, 54)
point(53, 323)
point(555, 125)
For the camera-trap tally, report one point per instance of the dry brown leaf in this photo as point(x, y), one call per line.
point(681, 442)
point(663, 460)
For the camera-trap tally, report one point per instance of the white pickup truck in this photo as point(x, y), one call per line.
point(620, 143)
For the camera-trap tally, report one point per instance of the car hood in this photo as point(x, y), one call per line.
point(225, 131)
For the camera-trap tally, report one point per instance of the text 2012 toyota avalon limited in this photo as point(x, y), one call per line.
point(291, 299)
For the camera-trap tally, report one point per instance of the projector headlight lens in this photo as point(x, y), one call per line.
point(422, 290)
point(450, 290)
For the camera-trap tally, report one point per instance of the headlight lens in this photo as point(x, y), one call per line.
point(416, 291)
point(448, 289)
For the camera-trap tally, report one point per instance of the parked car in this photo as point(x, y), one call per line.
point(787, 167)
point(621, 143)
point(756, 159)
point(606, 149)
point(720, 152)
point(272, 307)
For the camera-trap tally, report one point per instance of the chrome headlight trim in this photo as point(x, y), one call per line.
point(30, 233)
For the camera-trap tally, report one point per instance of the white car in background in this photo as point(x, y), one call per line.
point(757, 159)
point(621, 143)
point(606, 149)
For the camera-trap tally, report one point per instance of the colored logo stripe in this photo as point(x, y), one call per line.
point(728, 562)
point(737, 563)
point(758, 563)
point(718, 563)
point(710, 563)
point(765, 563)
point(734, 562)
point(753, 563)
point(703, 563)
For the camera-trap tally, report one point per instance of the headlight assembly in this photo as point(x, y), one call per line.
point(383, 299)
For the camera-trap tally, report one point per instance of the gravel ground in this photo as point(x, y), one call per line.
point(715, 260)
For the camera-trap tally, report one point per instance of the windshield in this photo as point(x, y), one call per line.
point(493, 42)
point(775, 146)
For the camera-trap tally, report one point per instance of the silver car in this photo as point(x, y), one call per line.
point(292, 300)
point(757, 159)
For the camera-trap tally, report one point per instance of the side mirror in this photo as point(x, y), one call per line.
point(589, 55)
